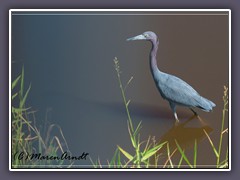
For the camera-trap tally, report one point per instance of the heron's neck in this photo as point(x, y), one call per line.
point(153, 57)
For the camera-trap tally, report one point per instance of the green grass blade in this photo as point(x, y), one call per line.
point(226, 158)
point(195, 154)
point(180, 161)
point(224, 163)
point(147, 145)
point(168, 153)
point(128, 102)
point(129, 81)
point(119, 163)
point(22, 83)
point(183, 154)
point(137, 129)
point(148, 155)
point(210, 141)
point(113, 160)
point(126, 154)
point(25, 97)
point(14, 83)
point(19, 110)
point(15, 95)
point(152, 151)
point(133, 139)
point(93, 163)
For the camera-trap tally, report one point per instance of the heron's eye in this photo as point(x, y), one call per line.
point(146, 35)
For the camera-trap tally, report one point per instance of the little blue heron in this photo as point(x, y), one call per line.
point(172, 88)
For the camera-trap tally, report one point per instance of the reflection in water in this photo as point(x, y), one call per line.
point(185, 136)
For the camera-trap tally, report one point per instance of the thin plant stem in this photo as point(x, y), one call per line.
point(123, 93)
point(225, 101)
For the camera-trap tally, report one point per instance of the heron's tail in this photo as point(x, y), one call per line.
point(206, 104)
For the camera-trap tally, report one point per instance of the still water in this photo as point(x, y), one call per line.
point(68, 59)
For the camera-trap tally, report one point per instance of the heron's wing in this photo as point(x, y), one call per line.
point(178, 91)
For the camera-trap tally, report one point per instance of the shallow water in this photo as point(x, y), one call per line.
point(69, 62)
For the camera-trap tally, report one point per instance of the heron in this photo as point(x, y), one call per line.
point(173, 89)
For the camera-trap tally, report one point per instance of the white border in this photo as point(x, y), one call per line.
point(118, 10)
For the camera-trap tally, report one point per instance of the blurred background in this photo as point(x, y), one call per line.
point(68, 59)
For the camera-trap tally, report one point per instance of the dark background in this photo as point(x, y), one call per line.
point(5, 6)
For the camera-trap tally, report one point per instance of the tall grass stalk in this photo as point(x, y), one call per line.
point(217, 151)
point(141, 158)
point(225, 109)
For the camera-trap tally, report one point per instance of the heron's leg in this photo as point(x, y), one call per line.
point(196, 114)
point(176, 117)
point(173, 107)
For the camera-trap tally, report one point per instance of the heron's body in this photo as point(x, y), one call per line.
point(172, 88)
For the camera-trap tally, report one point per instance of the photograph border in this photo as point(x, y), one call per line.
point(114, 10)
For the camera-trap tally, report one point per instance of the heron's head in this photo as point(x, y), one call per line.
point(148, 35)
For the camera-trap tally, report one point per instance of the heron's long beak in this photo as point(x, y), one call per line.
point(139, 37)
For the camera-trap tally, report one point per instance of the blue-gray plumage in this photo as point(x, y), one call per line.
point(172, 88)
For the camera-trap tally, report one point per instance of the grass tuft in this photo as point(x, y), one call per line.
point(27, 138)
